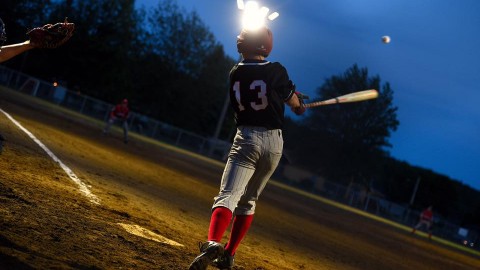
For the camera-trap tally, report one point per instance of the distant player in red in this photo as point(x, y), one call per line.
point(259, 90)
point(119, 113)
point(426, 219)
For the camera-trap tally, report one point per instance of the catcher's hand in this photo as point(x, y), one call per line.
point(51, 35)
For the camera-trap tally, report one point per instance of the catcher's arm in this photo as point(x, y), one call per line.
point(9, 51)
point(47, 36)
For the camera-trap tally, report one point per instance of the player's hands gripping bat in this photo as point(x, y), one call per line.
point(301, 109)
point(51, 35)
point(352, 97)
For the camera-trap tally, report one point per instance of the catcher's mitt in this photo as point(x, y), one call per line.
point(51, 35)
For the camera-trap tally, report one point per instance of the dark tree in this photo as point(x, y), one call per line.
point(190, 87)
point(347, 141)
point(20, 16)
point(179, 37)
point(102, 48)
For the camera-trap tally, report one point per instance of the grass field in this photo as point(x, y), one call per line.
point(154, 203)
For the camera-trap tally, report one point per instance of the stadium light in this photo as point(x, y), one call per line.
point(240, 4)
point(253, 17)
point(273, 16)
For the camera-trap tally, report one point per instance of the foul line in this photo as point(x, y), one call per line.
point(83, 188)
point(131, 228)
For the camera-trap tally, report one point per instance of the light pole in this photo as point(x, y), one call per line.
point(412, 199)
point(222, 117)
point(414, 191)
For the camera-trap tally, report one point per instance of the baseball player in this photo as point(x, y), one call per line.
point(426, 219)
point(258, 91)
point(119, 113)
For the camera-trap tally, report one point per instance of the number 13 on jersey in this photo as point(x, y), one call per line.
point(262, 101)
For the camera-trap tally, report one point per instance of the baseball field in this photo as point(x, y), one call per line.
point(88, 201)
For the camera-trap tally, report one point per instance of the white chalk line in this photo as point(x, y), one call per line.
point(82, 186)
point(133, 229)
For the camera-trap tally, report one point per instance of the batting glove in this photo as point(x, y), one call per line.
point(300, 109)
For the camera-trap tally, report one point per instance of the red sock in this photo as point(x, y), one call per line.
point(219, 222)
point(240, 226)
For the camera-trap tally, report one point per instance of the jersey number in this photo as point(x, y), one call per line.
point(262, 102)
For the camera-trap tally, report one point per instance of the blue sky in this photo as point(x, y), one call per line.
point(432, 64)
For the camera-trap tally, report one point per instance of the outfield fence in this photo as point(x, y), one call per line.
point(355, 196)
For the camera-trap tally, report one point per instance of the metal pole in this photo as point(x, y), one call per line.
point(219, 125)
point(412, 199)
point(414, 191)
point(222, 116)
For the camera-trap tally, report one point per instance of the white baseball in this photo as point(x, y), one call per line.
point(386, 39)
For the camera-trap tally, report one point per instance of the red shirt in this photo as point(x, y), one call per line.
point(120, 111)
point(427, 215)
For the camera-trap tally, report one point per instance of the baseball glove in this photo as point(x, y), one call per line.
point(51, 35)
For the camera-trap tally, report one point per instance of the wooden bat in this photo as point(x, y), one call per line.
point(352, 97)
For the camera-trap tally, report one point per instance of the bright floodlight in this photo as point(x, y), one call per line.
point(253, 16)
point(264, 11)
point(240, 4)
point(273, 16)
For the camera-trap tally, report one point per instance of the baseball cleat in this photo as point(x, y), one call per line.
point(224, 262)
point(210, 251)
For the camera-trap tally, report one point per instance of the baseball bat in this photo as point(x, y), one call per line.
point(352, 97)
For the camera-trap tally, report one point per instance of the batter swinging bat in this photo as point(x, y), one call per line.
point(353, 97)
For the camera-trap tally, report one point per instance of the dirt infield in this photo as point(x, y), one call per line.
point(47, 223)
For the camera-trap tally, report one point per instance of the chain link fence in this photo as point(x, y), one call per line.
point(354, 196)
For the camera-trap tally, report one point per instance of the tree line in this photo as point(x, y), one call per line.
point(169, 65)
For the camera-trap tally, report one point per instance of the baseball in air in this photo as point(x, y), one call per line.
point(386, 39)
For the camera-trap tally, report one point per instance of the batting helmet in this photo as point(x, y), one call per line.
point(3, 34)
point(258, 42)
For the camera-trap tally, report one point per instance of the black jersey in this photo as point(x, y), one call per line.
point(258, 91)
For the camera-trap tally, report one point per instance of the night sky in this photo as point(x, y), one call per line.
point(432, 64)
